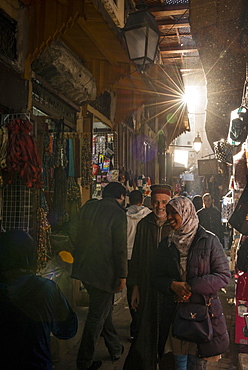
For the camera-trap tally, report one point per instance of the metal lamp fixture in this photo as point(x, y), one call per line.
point(197, 143)
point(141, 35)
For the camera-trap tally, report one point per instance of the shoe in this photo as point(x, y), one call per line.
point(116, 358)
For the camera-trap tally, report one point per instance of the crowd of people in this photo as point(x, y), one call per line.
point(168, 253)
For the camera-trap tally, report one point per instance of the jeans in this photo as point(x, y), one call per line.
point(98, 322)
point(181, 362)
point(189, 362)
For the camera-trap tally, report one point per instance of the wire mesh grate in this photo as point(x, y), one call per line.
point(176, 2)
point(17, 207)
point(6, 118)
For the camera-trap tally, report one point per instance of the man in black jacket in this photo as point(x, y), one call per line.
point(100, 262)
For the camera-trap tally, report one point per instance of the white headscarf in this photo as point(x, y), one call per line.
point(184, 236)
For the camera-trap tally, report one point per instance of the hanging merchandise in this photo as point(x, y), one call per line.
point(22, 155)
point(239, 218)
point(59, 145)
point(73, 190)
point(60, 195)
point(227, 206)
point(238, 126)
point(71, 170)
point(86, 170)
point(3, 150)
point(48, 159)
point(241, 330)
point(100, 161)
point(106, 165)
point(104, 149)
point(43, 240)
point(113, 175)
point(223, 151)
point(240, 170)
point(3, 146)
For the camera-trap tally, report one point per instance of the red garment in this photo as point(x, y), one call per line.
point(22, 155)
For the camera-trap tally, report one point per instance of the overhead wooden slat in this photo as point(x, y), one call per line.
point(176, 49)
point(175, 35)
point(168, 23)
point(168, 13)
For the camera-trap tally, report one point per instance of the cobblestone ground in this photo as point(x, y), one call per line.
point(66, 357)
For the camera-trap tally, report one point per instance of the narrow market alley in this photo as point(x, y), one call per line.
point(121, 318)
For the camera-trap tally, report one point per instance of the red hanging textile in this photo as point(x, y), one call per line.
point(22, 155)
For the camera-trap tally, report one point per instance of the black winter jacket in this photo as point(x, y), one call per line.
point(207, 272)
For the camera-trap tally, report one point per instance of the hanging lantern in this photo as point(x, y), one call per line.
point(197, 143)
point(141, 35)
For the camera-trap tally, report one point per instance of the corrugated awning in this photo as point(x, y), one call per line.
point(161, 89)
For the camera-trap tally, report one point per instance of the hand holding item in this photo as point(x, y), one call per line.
point(182, 290)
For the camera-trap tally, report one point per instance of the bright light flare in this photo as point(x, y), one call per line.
point(191, 97)
point(181, 158)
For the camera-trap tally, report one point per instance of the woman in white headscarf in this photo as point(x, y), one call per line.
point(190, 265)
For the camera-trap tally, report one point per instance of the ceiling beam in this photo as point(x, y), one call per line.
point(175, 35)
point(176, 50)
point(169, 13)
point(169, 23)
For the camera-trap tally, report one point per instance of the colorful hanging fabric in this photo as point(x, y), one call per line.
point(22, 154)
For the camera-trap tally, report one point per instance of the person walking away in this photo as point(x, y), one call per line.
point(210, 217)
point(31, 307)
point(190, 265)
point(134, 213)
point(197, 201)
point(150, 231)
point(100, 262)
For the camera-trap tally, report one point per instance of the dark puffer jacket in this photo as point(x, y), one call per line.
point(207, 272)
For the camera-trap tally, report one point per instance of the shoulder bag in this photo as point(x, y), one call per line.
point(193, 323)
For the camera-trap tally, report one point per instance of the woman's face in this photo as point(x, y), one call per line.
point(173, 217)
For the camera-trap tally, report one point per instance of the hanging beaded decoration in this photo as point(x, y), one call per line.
point(43, 238)
point(86, 169)
point(73, 191)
